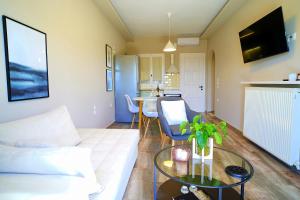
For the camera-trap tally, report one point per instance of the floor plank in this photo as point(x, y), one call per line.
point(272, 180)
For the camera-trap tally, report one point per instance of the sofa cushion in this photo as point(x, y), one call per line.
point(174, 111)
point(69, 161)
point(54, 128)
point(114, 152)
point(42, 187)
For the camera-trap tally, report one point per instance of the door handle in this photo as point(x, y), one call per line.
point(201, 87)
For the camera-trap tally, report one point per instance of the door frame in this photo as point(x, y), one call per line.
point(205, 76)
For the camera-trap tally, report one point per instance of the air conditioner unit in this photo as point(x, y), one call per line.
point(190, 41)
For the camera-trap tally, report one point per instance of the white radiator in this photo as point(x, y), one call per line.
point(272, 121)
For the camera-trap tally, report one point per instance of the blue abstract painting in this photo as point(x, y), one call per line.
point(109, 80)
point(26, 61)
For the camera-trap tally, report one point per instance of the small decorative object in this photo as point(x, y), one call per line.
point(26, 61)
point(193, 188)
point(236, 171)
point(292, 77)
point(109, 80)
point(202, 135)
point(108, 52)
point(157, 91)
point(184, 189)
point(298, 77)
point(181, 154)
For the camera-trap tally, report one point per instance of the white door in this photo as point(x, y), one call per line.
point(192, 80)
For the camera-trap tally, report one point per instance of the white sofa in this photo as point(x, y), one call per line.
point(113, 155)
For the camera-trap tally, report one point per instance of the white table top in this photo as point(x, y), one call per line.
point(144, 98)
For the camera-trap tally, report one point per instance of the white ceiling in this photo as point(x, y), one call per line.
point(146, 18)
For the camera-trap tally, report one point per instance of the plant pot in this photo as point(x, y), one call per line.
point(196, 155)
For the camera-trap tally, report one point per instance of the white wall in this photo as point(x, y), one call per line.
point(77, 33)
point(230, 68)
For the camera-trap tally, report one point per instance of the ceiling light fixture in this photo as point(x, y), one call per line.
point(172, 69)
point(169, 46)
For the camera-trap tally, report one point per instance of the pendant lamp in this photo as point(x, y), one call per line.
point(172, 69)
point(169, 46)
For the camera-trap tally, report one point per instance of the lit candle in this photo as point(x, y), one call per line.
point(181, 155)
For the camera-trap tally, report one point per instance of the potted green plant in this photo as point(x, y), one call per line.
point(203, 135)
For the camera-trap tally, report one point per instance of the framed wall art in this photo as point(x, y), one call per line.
point(109, 57)
point(26, 61)
point(109, 80)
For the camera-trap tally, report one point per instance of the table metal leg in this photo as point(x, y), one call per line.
point(154, 183)
point(242, 191)
point(220, 194)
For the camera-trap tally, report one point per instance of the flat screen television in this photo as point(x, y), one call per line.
point(264, 38)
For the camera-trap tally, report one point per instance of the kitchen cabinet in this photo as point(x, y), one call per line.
point(152, 68)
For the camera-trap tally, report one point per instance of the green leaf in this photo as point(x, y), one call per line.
point(223, 127)
point(218, 138)
point(201, 139)
point(183, 125)
point(191, 137)
point(191, 129)
point(197, 118)
point(210, 129)
point(183, 131)
point(197, 127)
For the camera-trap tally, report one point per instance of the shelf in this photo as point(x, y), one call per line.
point(270, 82)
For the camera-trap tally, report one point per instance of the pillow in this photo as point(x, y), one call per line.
point(174, 111)
point(54, 128)
point(69, 161)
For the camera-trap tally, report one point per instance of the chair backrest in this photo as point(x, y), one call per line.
point(149, 105)
point(159, 108)
point(129, 102)
point(166, 98)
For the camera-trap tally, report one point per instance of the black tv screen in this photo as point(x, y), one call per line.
point(264, 38)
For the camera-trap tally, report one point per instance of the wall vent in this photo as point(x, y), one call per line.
point(190, 41)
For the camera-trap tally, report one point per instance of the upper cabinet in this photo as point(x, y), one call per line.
point(152, 67)
point(145, 68)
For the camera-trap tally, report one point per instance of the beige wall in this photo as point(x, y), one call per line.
point(230, 68)
point(76, 33)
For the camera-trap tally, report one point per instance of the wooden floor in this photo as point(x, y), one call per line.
point(271, 180)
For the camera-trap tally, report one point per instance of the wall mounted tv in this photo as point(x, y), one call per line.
point(264, 38)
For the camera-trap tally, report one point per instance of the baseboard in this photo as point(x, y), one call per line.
point(235, 130)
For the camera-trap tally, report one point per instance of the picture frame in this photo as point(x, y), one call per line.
point(109, 80)
point(26, 61)
point(108, 55)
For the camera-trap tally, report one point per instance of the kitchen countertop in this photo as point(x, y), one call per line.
point(150, 89)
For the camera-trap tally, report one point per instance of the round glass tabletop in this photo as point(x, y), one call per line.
point(213, 173)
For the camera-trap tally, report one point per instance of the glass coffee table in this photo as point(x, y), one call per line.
point(216, 178)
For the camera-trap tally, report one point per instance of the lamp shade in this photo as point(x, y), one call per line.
point(172, 69)
point(169, 47)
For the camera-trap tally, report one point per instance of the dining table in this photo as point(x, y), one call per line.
point(140, 100)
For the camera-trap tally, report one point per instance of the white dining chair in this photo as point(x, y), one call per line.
point(150, 114)
point(132, 108)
